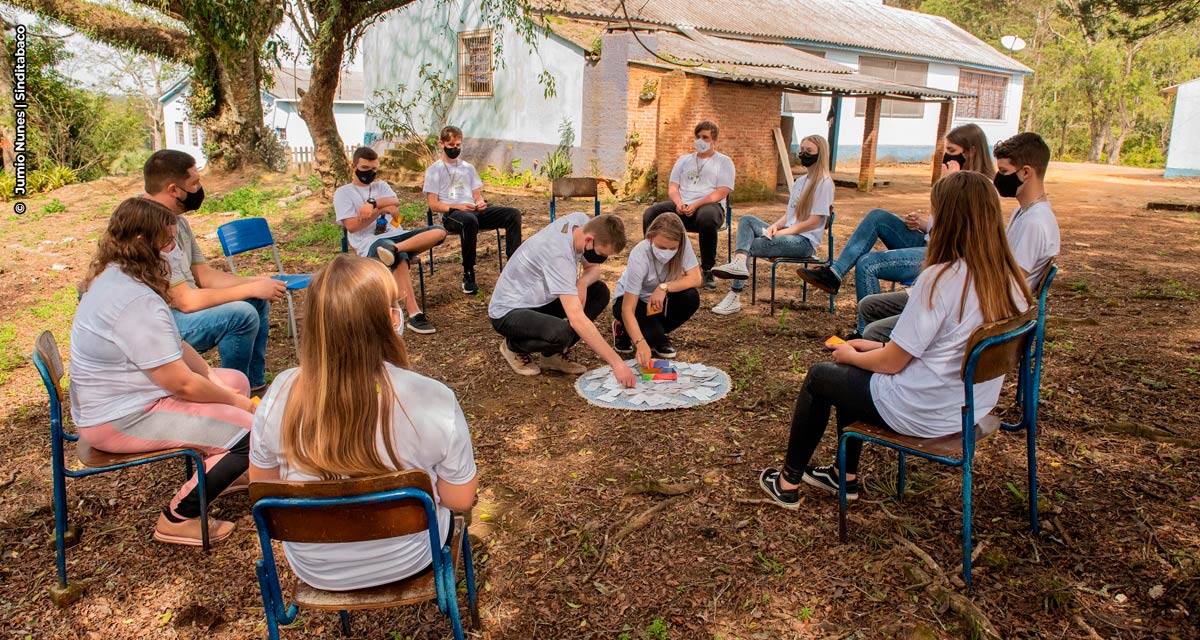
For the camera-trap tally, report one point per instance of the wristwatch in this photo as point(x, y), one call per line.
point(663, 286)
point(371, 201)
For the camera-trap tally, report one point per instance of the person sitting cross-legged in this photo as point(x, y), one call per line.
point(657, 293)
point(544, 302)
point(796, 234)
point(370, 212)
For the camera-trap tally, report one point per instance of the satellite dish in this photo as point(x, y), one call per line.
point(1012, 43)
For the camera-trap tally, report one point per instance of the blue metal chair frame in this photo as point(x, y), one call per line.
point(48, 362)
point(1029, 410)
point(420, 269)
point(595, 205)
point(775, 262)
point(249, 234)
point(443, 566)
point(499, 242)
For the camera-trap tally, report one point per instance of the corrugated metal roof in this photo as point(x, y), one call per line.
point(289, 82)
point(697, 47)
point(808, 81)
point(864, 24)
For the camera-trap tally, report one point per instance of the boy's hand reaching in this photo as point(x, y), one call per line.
point(625, 375)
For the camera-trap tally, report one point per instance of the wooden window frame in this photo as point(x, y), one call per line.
point(472, 46)
point(180, 134)
point(978, 83)
point(907, 110)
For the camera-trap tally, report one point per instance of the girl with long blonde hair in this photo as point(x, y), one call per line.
point(911, 385)
point(657, 293)
point(137, 387)
point(796, 234)
point(354, 409)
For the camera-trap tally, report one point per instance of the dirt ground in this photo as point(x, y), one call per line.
point(1117, 460)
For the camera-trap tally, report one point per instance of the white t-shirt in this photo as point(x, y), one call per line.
point(429, 434)
point(543, 268)
point(346, 202)
point(1033, 238)
point(185, 254)
point(454, 182)
point(821, 204)
point(643, 272)
point(925, 398)
point(697, 177)
point(122, 328)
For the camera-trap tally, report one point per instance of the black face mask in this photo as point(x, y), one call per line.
point(592, 257)
point(452, 152)
point(192, 200)
point(959, 158)
point(365, 177)
point(808, 159)
point(1007, 184)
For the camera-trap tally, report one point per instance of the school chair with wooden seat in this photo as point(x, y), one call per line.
point(993, 350)
point(411, 259)
point(563, 188)
point(357, 510)
point(49, 364)
point(449, 231)
point(807, 262)
point(249, 234)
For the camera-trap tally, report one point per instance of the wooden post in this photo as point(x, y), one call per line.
point(866, 167)
point(939, 147)
point(785, 163)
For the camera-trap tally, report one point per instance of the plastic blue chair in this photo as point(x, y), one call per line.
point(249, 234)
point(357, 510)
point(993, 350)
point(417, 259)
point(563, 188)
point(499, 241)
point(49, 364)
point(807, 262)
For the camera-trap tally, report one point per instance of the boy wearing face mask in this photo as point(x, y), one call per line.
point(549, 295)
point(453, 189)
point(212, 308)
point(370, 212)
point(700, 182)
point(1033, 236)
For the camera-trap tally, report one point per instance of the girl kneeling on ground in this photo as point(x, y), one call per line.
point(796, 234)
point(353, 409)
point(136, 387)
point(912, 384)
point(658, 291)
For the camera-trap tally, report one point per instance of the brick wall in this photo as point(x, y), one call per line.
point(746, 116)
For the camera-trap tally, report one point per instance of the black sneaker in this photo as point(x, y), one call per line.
point(418, 323)
point(469, 286)
point(853, 335)
point(827, 478)
point(769, 481)
point(665, 350)
point(707, 280)
point(822, 278)
point(621, 342)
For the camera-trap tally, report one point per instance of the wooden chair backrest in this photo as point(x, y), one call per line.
point(47, 349)
point(349, 523)
point(573, 188)
point(1001, 358)
point(1043, 282)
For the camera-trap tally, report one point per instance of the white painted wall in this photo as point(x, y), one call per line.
point(427, 31)
point(174, 112)
point(1183, 154)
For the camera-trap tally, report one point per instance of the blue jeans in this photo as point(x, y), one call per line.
point(878, 225)
point(237, 329)
point(751, 241)
point(896, 265)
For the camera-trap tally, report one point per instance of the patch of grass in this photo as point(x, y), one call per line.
point(745, 368)
point(250, 201)
point(321, 233)
point(1078, 286)
point(60, 305)
point(805, 614)
point(772, 567)
point(10, 354)
point(314, 182)
point(1172, 290)
point(414, 213)
point(657, 630)
point(54, 206)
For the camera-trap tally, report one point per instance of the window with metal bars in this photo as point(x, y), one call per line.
point(475, 63)
point(902, 71)
point(179, 138)
point(990, 92)
point(195, 136)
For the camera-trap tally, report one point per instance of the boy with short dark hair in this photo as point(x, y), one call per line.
point(544, 303)
point(453, 189)
point(370, 212)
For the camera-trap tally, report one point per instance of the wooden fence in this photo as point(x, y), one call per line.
point(303, 160)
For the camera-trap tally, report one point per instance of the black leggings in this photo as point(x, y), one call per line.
point(681, 306)
point(826, 386)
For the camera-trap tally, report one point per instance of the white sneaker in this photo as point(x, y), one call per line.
point(521, 363)
point(735, 270)
point(729, 305)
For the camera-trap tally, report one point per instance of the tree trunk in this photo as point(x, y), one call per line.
point(7, 109)
point(234, 125)
point(316, 109)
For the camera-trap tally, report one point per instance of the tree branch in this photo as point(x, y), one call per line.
point(113, 27)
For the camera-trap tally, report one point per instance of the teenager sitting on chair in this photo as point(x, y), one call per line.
point(912, 385)
point(453, 189)
point(550, 294)
point(137, 387)
point(699, 184)
point(796, 234)
point(657, 293)
point(370, 212)
point(353, 409)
